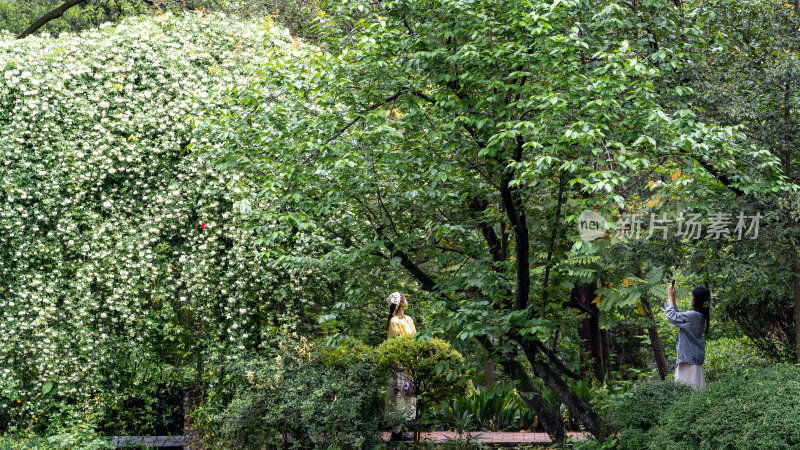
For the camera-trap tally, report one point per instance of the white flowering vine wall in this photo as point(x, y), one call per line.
point(121, 257)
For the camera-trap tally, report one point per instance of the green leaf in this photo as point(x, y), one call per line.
point(327, 318)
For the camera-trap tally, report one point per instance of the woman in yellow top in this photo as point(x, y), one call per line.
point(399, 391)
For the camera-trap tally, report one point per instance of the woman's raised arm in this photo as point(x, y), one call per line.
point(674, 316)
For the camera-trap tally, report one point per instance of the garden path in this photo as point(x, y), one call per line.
point(494, 438)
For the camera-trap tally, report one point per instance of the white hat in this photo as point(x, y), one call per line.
point(394, 298)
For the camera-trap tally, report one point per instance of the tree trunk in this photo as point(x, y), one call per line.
point(788, 155)
point(419, 406)
point(587, 416)
point(604, 346)
point(488, 371)
point(547, 413)
point(655, 341)
point(192, 399)
point(598, 362)
point(796, 289)
point(584, 332)
point(590, 331)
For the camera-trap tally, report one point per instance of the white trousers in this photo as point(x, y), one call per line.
point(691, 374)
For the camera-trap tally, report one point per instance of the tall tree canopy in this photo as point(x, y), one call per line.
point(458, 141)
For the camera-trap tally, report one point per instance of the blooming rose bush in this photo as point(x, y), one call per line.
point(122, 261)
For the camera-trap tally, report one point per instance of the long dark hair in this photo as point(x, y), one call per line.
point(702, 303)
point(392, 307)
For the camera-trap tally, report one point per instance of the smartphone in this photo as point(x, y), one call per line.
point(673, 282)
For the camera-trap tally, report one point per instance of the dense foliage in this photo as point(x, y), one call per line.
point(465, 156)
point(725, 356)
point(764, 312)
point(643, 409)
point(179, 184)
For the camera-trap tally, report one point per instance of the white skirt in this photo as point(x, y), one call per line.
point(691, 374)
point(396, 401)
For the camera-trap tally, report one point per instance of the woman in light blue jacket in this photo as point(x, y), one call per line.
point(692, 327)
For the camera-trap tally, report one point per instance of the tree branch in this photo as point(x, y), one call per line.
point(427, 283)
point(52, 15)
point(721, 177)
point(556, 361)
point(581, 409)
point(546, 412)
point(373, 107)
point(575, 304)
point(516, 216)
point(478, 206)
point(551, 249)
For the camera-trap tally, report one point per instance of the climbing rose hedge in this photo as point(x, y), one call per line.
point(122, 261)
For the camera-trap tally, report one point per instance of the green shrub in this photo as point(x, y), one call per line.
point(342, 356)
point(75, 427)
point(750, 408)
point(644, 409)
point(434, 366)
point(762, 307)
point(756, 408)
point(303, 392)
point(731, 355)
point(606, 396)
